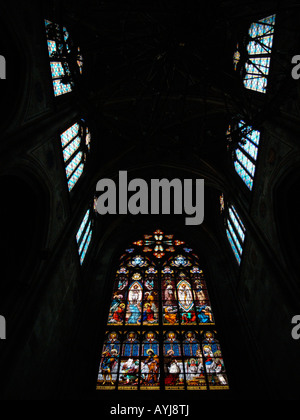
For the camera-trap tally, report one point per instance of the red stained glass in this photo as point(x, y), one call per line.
point(160, 323)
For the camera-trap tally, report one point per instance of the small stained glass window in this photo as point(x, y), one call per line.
point(259, 50)
point(75, 143)
point(59, 49)
point(84, 236)
point(246, 153)
point(161, 331)
point(236, 233)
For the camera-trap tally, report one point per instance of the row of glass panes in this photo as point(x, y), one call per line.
point(73, 157)
point(246, 154)
point(59, 68)
point(71, 138)
point(84, 236)
point(235, 233)
point(259, 50)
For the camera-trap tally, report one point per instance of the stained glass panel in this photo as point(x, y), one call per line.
point(82, 226)
point(168, 293)
point(61, 88)
point(69, 134)
point(232, 243)
point(72, 140)
point(58, 50)
point(236, 232)
point(259, 51)
point(73, 164)
point(244, 175)
point(246, 154)
point(84, 236)
point(75, 177)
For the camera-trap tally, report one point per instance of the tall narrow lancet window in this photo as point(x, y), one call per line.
point(236, 232)
point(76, 143)
point(259, 51)
point(246, 152)
point(84, 235)
point(65, 59)
point(161, 332)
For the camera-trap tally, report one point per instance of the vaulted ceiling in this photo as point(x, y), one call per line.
point(159, 75)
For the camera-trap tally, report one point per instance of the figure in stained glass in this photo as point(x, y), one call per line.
point(170, 293)
point(150, 343)
point(150, 369)
point(117, 316)
point(109, 362)
point(172, 343)
point(129, 374)
point(150, 313)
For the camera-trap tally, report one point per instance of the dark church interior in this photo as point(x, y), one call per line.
point(154, 87)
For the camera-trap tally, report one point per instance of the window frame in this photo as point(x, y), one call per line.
point(162, 328)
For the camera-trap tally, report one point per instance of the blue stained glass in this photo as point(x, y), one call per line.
point(259, 50)
point(52, 47)
point(237, 255)
point(269, 21)
point(73, 164)
point(233, 235)
point(250, 148)
point(244, 175)
point(75, 177)
point(255, 137)
point(71, 149)
point(57, 69)
point(258, 66)
point(237, 222)
point(86, 247)
point(69, 134)
point(84, 238)
point(61, 88)
point(82, 226)
point(247, 154)
point(256, 83)
point(245, 162)
point(60, 68)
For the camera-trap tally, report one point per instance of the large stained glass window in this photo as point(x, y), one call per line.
point(76, 143)
point(161, 332)
point(259, 50)
point(246, 153)
point(236, 233)
point(59, 48)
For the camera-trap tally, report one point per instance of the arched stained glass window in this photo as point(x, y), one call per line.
point(76, 143)
point(60, 47)
point(236, 233)
point(246, 153)
point(259, 50)
point(161, 332)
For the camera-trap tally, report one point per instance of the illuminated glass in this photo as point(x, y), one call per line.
point(246, 153)
point(236, 233)
point(259, 50)
point(59, 49)
point(74, 140)
point(160, 327)
point(84, 236)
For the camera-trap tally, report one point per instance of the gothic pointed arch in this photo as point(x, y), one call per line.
point(161, 332)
